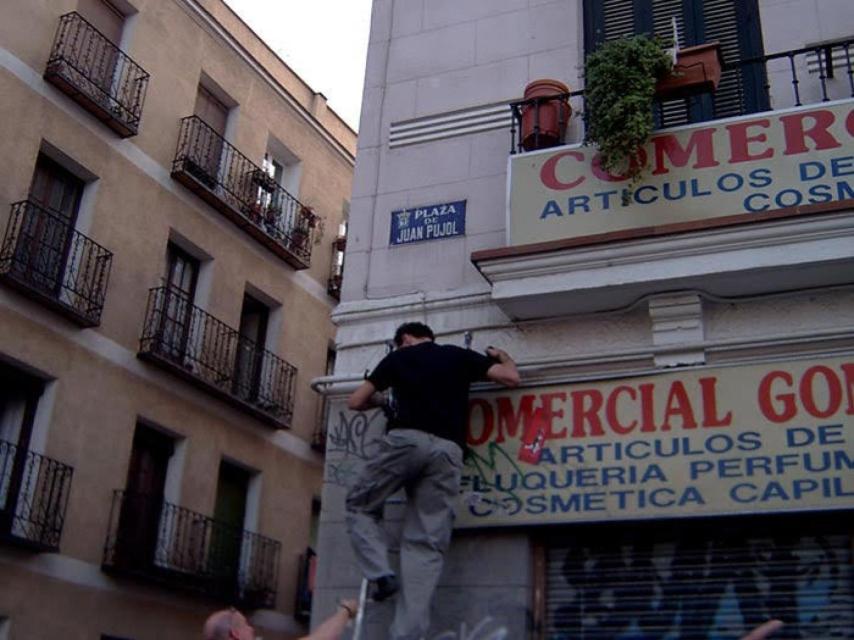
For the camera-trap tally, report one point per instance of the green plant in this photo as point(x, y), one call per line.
point(620, 80)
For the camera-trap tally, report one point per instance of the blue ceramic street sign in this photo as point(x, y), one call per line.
point(431, 222)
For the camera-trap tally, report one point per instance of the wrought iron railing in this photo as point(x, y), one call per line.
point(196, 344)
point(153, 539)
point(44, 256)
point(97, 74)
point(244, 192)
point(809, 75)
point(34, 492)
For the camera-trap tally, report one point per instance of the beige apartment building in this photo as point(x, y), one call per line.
point(172, 203)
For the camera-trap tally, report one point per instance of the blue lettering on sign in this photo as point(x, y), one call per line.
point(430, 222)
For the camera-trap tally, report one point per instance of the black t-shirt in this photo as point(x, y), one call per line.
point(431, 386)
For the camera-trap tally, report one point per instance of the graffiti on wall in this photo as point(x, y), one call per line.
point(710, 588)
point(351, 439)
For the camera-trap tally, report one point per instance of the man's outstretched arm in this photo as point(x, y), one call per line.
point(504, 371)
point(333, 627)
point(360, 399)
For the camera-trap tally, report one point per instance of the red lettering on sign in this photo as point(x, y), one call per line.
point(510, 420)
point(487, 420)
point(739, 141)
point(548, 172)
point(599, 171)
point(796, 134)
point(708, 387)
point(584, 412)
point(786, 407)
point(668, 145)
point(678, 404)
point(549, 413)
point(611, 410)
point(647, 407)
point(848, 370)
point(807, 391)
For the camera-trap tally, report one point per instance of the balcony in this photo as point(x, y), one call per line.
point(746, 205)
point(34, 492)
point(194, 345)
point(787, 79)
point(97, 75)
point(47, 260)
point(154, 541)
point(243, 192)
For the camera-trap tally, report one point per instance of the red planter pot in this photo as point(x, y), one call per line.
point(697, 70)
point(544, 120)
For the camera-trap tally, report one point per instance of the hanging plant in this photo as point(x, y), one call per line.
point(620, 79)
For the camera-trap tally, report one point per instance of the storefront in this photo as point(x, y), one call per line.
point(696, 503)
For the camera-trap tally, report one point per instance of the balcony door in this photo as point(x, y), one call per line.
point(733, 23)
point(19, 396)
point(143, 503)
point(102, 48)
point(206, 150)
point(182, 273)
point(252, 336)
point(44, 240)
point(227, 536)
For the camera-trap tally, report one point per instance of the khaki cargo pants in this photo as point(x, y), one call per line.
point(429, 469)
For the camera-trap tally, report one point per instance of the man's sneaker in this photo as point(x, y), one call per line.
point(385, 587)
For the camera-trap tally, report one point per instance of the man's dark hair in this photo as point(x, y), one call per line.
point(414, 329)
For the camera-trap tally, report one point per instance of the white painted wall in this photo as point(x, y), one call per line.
point(435, 57)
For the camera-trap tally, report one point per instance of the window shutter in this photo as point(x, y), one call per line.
point(619, 19)
point(720, 23)
point(734, 23)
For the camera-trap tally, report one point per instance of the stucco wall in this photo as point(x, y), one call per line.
point(98, 389)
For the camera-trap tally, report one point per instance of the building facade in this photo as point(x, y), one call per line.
point(172, 199)
point(678, 459)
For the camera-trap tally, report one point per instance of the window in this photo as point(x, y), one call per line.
point(208, 144)
point(182, 272)
point(285, 166)
point(230, 514)
point(19, 397)
point(104, 54)
point(734, 23)
point(254, 320)
point(34, 489)
point(137, 541)
point(44, 241)
point(212, 110)
point(4, 628)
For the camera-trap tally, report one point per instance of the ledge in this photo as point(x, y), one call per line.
point(739, 255)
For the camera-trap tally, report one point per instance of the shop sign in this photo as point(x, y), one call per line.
point(750, 164)
point(755, 438)
point(430, 222)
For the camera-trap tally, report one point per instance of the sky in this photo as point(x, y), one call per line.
point(324, 41)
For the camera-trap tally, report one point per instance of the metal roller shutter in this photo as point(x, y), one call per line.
point(706, 581)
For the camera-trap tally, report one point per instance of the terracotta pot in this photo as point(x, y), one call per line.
point(544, 121)
point(697, 70)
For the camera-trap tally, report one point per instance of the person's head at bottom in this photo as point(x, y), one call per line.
point(410, 333)
point(228, 624)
